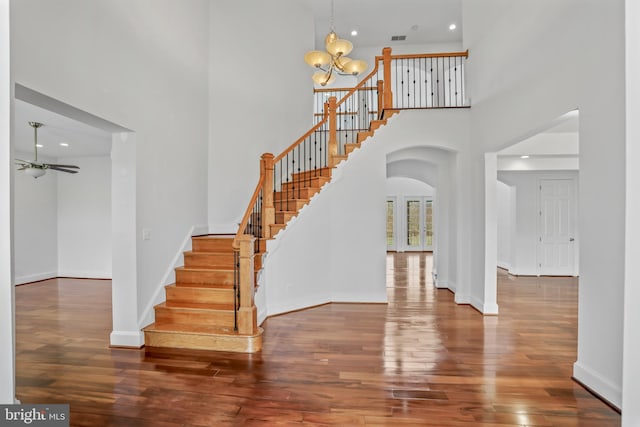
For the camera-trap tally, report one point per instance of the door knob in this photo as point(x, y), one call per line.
point(571, 239)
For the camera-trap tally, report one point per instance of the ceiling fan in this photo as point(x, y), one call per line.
point(36, 169)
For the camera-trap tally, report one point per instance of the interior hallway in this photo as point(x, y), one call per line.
point(420, 360)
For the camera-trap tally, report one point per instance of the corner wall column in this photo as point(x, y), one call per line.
point(7, 304)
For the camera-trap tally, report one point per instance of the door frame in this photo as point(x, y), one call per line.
point(573, 226)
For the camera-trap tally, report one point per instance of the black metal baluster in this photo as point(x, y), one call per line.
point(236, 271)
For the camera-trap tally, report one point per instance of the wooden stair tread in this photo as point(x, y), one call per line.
point(199, 305)
point(194, 329)
point(200, 337)
point(164, 306)
point(204, 269)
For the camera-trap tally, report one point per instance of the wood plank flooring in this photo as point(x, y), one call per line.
point(420, 360)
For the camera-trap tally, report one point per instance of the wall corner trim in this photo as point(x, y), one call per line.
point(126, 339)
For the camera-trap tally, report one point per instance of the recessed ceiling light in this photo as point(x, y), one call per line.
point(39, 145)
point(354, 32)
point(64, 144)
point(452, 27)
point(524, 157)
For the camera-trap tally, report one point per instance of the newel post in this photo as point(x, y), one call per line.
point(247, 312)
point(386, 62)
point(268, 209)
point(333, 131)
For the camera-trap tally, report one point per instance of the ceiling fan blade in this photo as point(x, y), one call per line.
point(61, 166)
point(23, 167)
point(59, 169)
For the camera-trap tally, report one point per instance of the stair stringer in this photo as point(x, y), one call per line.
point(335, 249)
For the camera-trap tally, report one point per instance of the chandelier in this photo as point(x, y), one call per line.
point(334, 60)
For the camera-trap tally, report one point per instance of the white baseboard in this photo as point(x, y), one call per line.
point(461, 298)
point(486, 309)
point(598, 384)
point(127, 339)
point(20, 280)
point(87, 274)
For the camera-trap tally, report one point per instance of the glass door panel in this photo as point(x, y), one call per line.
point(391, 229)
point(413, 240)
point(428, 225)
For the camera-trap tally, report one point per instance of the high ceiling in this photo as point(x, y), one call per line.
point(422, 21)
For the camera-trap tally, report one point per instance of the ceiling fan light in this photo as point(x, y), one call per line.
point(355, 67)
point(340, 47)
point(317, 58)
point(35, 172)
point(322, 78)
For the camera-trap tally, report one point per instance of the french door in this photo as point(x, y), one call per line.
point(410, 224)
point(418, 224)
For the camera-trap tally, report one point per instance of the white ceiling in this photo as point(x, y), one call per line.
point(422, 21)
point(83, 140)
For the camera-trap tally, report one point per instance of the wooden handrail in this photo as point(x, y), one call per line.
point(432, 55)
point(247, 214)
point(303, 137)
point(361, 84)
point(342, 89)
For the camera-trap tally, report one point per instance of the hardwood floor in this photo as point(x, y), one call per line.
point(420, 360)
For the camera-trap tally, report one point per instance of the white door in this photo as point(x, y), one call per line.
point(556, 243)
point(418, 224)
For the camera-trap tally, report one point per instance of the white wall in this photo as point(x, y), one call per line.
point(407, 187)
point(523, 213)
point(84, 218)
point(7, 318)
point(631, 368)
point(550, 63)
point(260, 96)
point(332, 251)
point(141, 64)
point(35, 210)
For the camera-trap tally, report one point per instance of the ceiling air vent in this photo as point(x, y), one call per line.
point(398, 38)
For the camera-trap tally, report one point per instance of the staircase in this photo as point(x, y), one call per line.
point(211, 304)
point(199, 309)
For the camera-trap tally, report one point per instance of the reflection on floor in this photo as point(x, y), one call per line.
point(420, 360)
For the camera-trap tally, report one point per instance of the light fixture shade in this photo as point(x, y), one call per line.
point(35, 172)
point(317, 58)
point(355, 67)
point(320, 77)
point(339, 47)
point(341, 62)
